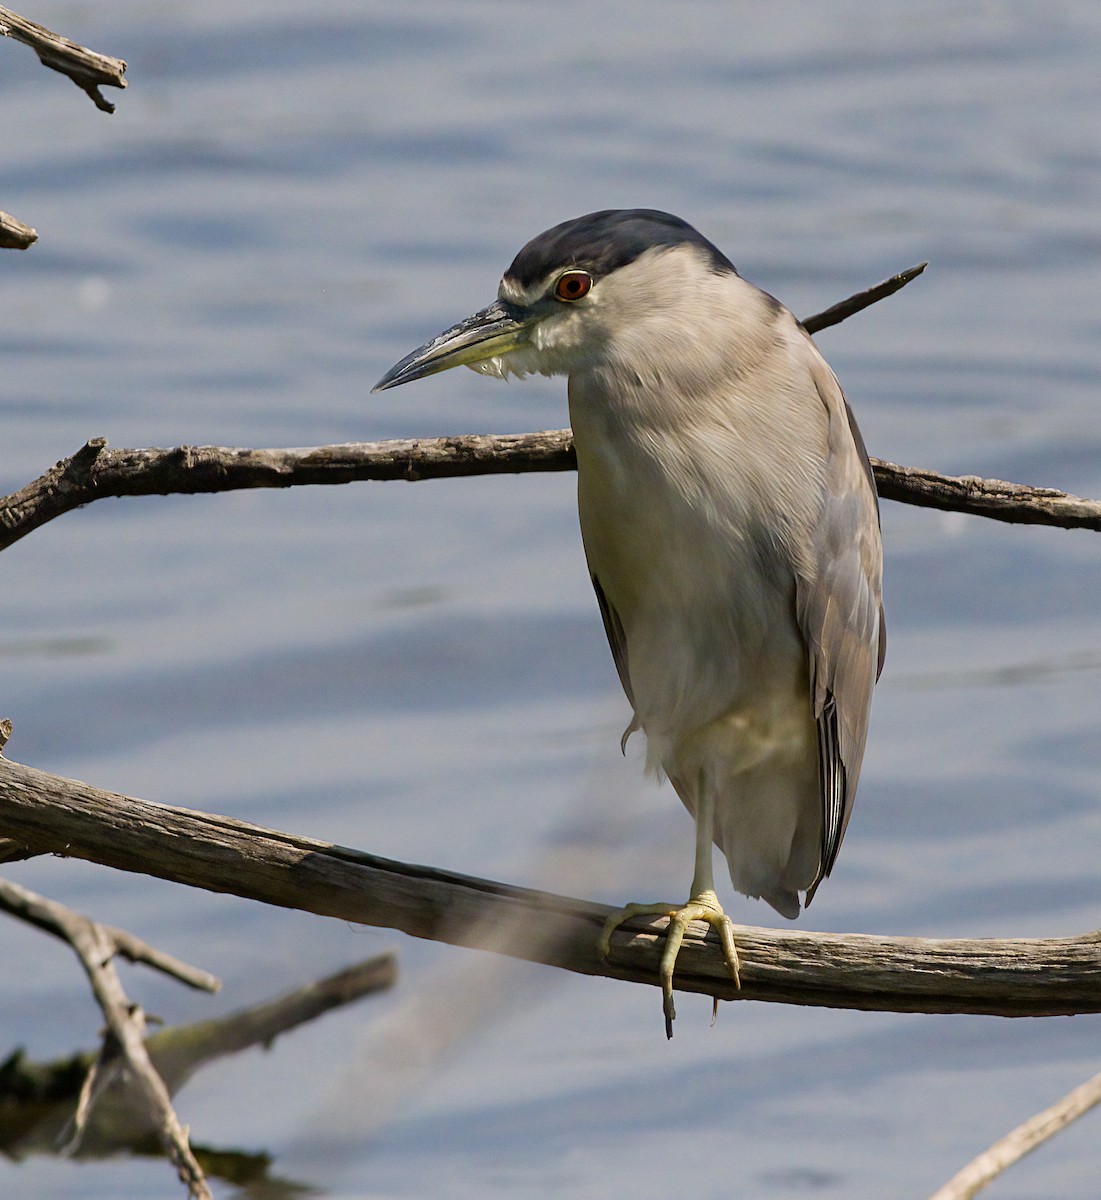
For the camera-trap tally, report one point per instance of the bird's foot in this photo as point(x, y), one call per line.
point(704, 907)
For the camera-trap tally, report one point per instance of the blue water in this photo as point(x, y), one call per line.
point(284, 204)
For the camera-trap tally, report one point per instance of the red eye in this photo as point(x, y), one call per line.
point(573, 285)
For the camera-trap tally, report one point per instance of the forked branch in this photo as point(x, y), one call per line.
point(124, 1041)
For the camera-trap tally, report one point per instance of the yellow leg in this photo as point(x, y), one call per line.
point(703, 905)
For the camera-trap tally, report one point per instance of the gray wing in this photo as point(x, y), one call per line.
point(840, 613)
point(613, 627)
point(617, 640)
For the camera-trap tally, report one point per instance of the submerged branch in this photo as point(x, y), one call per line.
point(38, 1099)
point(124, 1047)
point(1006, 977)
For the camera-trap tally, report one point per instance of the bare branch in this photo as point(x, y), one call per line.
point(95, 946)
point(14, 235)
point(182, 1050)
point(96, 472)
point(1006, 977)
point(38, 1098)
point(134, 950)
point(87, 69)
point(1014, 503)
point(1021, 1141)
point(55, 918)
point(837, 313)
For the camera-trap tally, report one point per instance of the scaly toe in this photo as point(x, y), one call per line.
point(704, 907)
point(625, 914)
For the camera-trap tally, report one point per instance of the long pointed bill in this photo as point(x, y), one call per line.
point(495, 330)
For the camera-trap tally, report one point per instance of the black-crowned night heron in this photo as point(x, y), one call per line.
point(731, 528)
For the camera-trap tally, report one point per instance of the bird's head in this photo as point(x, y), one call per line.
point(575, 291)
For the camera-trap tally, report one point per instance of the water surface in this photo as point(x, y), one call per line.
point(284, 205)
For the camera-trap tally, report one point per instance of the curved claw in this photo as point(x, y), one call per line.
point(704, 907)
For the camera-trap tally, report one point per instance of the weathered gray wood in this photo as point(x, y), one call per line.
point(54, 918)
point(14, 235)
point(96, 472)
point(1014, 503)
point(124, 1045)
point(1021, 1141)
point(87, 69)
point(1007, 977)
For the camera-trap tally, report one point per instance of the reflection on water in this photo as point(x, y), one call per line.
point(1008, 676)
point(277, 211)
point(59, 647)
point(39, 1101)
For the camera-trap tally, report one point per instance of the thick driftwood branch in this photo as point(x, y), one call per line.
point(87, 69)
point(124, 1042)
point(1021, 1141)
point(96, 472)
point(1006, 977)
point(14, 235)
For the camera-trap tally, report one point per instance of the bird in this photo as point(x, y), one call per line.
point(730, 524)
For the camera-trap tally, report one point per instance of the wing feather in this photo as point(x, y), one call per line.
point(617, 640)
point(840, 614)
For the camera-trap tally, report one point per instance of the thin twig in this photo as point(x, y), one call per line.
point(1021, 1141)
point(1003, 977)
point(837, 313)
point(87, 69)
point(95, 946)
point(180, 1051)
point(55, 918)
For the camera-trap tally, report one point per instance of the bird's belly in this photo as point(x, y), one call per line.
point(718, 667)
point(723, 700)
point(715, 657)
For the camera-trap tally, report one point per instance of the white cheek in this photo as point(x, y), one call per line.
point(564, 345)
point(558, 335)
